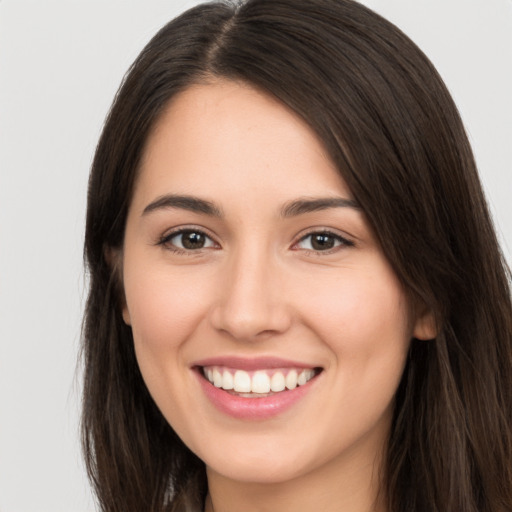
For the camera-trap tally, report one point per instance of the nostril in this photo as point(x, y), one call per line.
point(249, 309)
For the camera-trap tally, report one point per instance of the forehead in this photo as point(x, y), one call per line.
point(230, 137)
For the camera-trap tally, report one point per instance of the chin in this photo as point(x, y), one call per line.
point(263, 461)
point(259, 470)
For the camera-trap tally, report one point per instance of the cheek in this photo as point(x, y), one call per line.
point(362, 316)
point(363, 319)
point(359, 300)
point(165, 308)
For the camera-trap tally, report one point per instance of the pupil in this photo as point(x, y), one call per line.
point(322, 242)
point(193, 240)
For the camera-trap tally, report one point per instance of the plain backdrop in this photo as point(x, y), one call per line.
point(61, 62)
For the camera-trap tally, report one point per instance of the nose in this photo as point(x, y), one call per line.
point(252, 303)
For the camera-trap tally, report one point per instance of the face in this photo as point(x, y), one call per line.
point(268, 326)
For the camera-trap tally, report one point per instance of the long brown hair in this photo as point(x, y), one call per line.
point(392, 129)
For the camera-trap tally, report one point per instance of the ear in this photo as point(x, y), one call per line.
point(425, 326)
point(126, 315)
point(114, 259)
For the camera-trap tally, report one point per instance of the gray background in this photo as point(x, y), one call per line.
point(60, 64)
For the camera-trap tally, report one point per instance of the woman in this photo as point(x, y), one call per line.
point(297, 299)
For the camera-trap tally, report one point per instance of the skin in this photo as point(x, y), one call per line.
point(258, 288)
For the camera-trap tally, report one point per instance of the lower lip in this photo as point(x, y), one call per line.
point(253, 408)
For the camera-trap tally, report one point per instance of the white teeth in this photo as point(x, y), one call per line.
point(277, 382)
point(259, 382)
point(242, 382)
point(302, 378)
point(227, 380)
point(217, 378)
point(291, 380)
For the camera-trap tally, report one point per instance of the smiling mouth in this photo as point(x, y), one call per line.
point(258, 383)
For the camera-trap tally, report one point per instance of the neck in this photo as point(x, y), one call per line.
point(348, 485)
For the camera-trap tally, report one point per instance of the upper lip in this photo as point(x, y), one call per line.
point(252, 363)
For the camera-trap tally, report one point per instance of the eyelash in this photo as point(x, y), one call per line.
point(339, 240)
point(166, 241)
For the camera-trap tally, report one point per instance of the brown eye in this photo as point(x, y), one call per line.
point(322, 241)
point(193, 240)
point(188, 240)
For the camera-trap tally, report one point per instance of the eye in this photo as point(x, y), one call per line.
point(188, 240)
point(322, 241)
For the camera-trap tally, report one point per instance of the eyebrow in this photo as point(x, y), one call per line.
point(183, 202)
point(307, 205)
point(291, 209)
